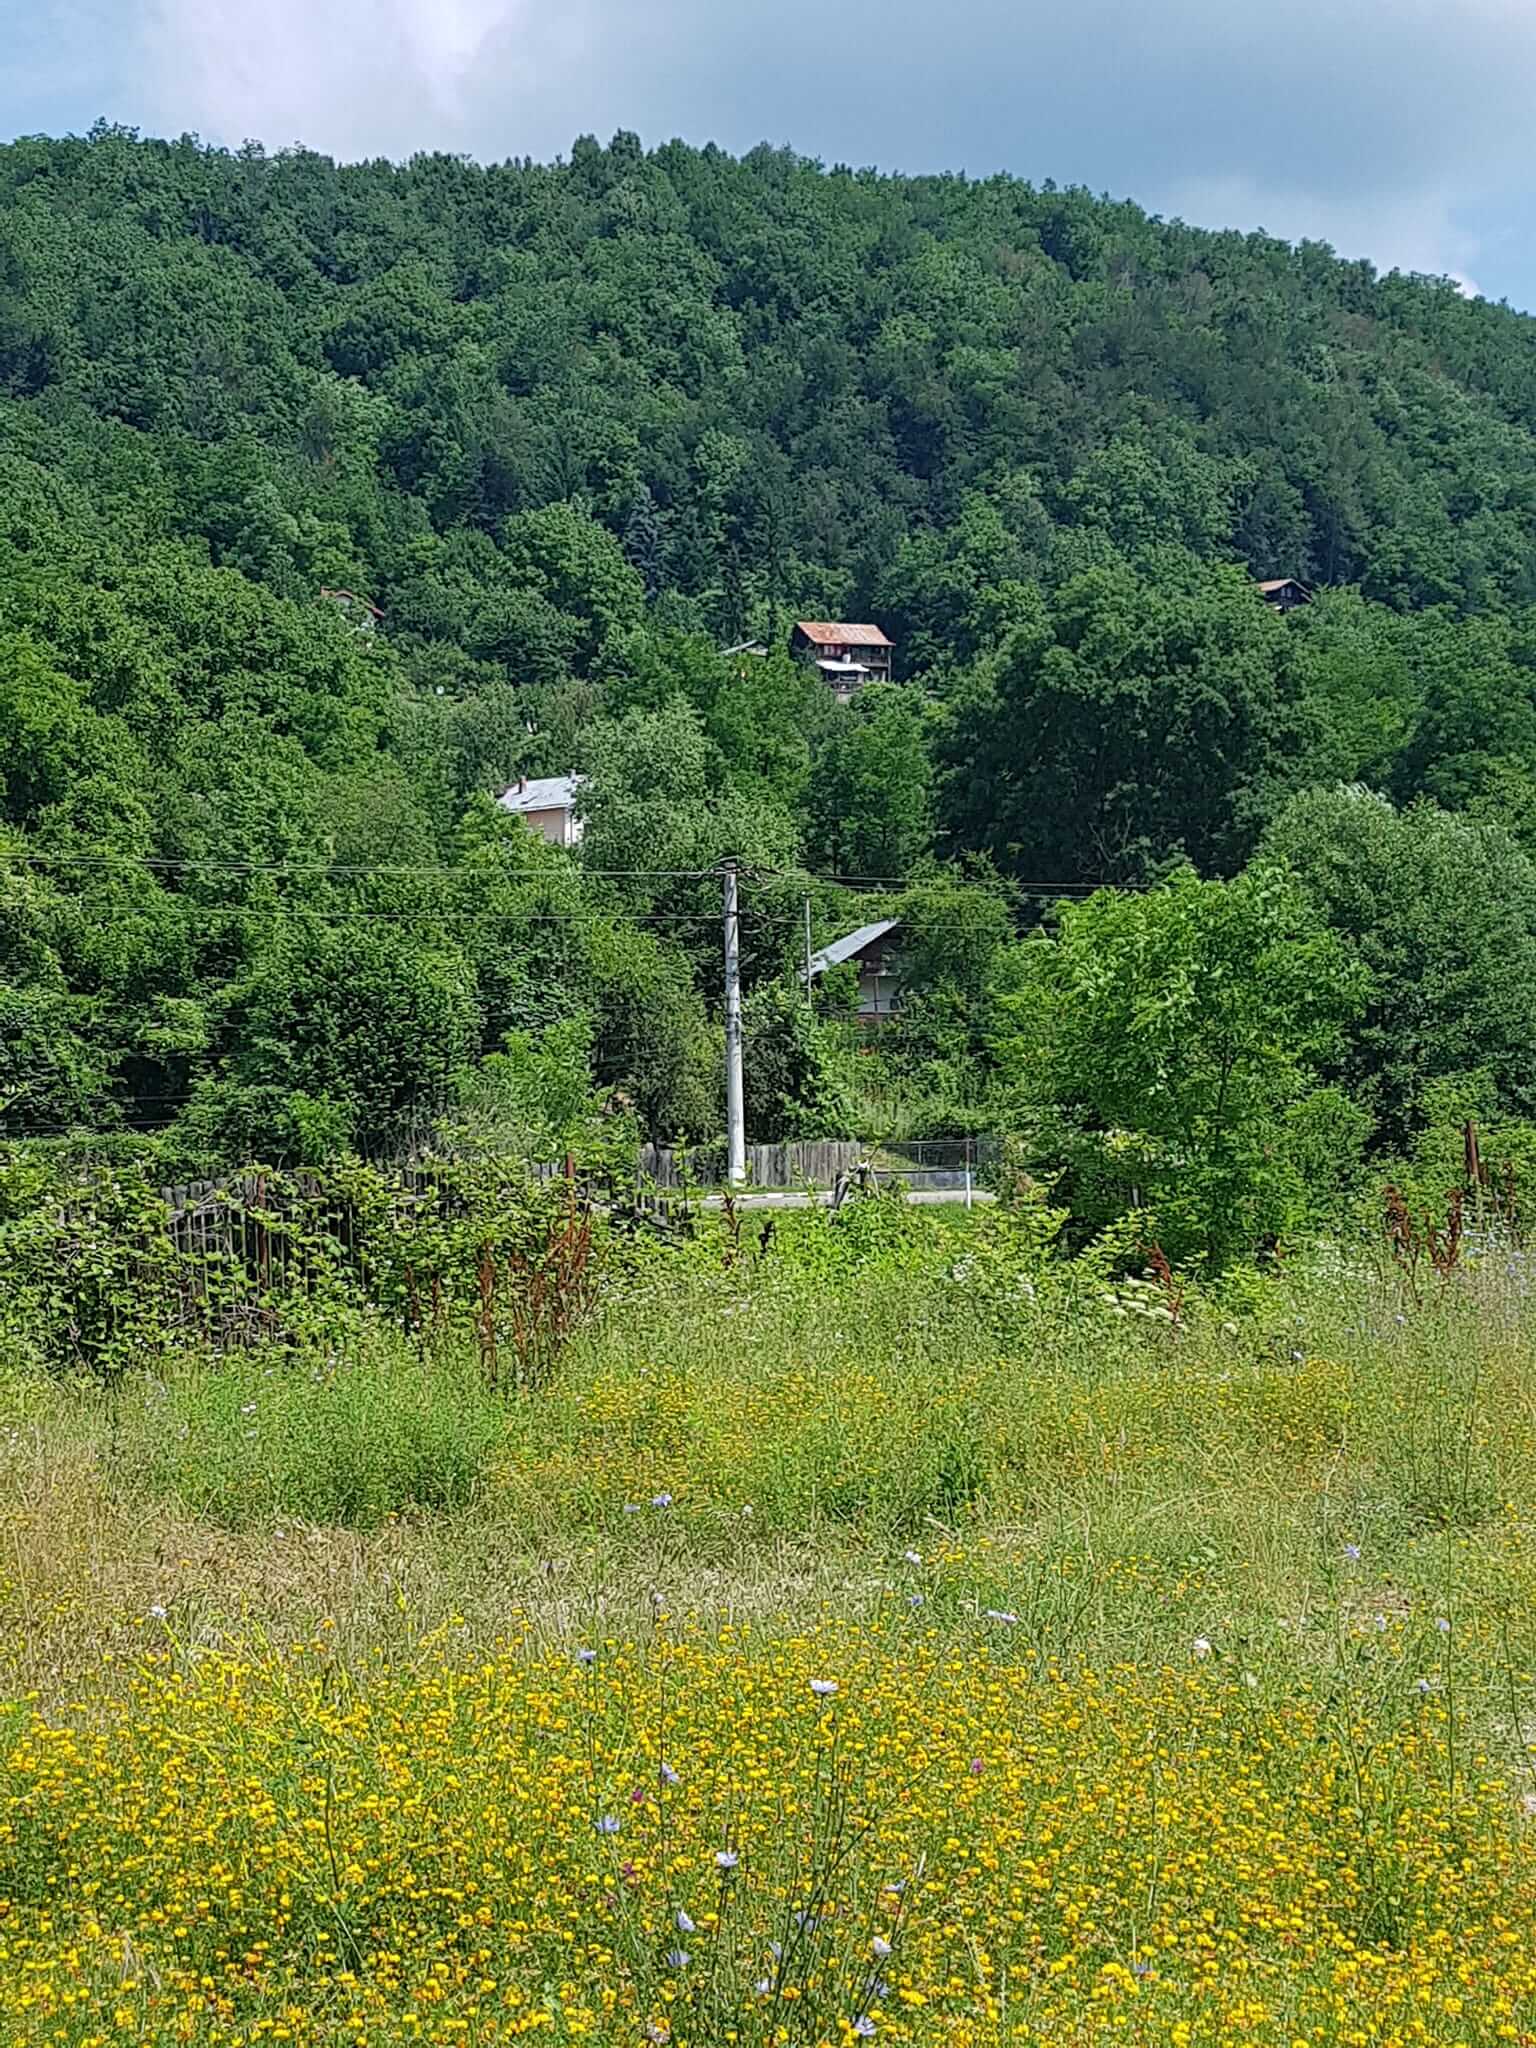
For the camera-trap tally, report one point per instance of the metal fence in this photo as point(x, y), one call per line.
point(934, 1165)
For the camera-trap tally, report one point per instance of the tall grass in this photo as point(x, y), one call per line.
point(1146, 1619)
point(252, 1437)
point(1118, 1477)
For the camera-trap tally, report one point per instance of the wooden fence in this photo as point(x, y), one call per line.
point(104, 1267)
point(203, 1206)
point(103, 1270)
point(816, 1163)
point(201, 1211)
point(246, 1248)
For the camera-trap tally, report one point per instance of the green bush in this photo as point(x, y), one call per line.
point(257, 1437)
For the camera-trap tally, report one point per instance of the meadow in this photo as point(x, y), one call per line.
point(896, 1635)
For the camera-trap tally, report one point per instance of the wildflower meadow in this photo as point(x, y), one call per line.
point(892, 1634)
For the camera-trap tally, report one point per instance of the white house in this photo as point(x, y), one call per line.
point(547, 804)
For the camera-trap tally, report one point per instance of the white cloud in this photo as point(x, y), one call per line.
point(445, 35)
point(355, 77)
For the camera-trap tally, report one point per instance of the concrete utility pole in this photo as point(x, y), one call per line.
point(735, 1098)
point(807, 949)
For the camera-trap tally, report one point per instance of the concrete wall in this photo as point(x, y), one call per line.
point(558, 826)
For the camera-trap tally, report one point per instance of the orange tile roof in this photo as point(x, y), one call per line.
point(841, 636)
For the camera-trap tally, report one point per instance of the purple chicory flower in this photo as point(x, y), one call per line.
point(726, 1860)
point(668, 1776)
point(606, 1824)
point(678, 1959)
point(824, 1688)
point(684, 1924)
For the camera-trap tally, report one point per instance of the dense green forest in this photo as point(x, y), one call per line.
point(565, 433)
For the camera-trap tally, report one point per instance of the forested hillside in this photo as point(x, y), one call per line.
point(563, 433)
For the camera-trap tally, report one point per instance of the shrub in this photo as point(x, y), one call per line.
point(258, 1436)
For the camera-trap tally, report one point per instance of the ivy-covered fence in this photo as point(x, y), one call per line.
point(101, 1269)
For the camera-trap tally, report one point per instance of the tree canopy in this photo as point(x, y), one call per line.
point(1161, 1044)
point(334, 497)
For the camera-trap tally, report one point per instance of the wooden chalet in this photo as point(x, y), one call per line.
point(847, 656)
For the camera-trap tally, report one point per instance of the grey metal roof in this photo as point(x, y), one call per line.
point(855, 942)
point(541, 793)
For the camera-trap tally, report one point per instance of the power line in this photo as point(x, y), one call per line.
point(920, 881)
point(531, 878)
point(89, 1133)
point(756, 922)
point(161, 863)
point(199, 913)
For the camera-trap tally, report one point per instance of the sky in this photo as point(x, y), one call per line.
point(1401, 130)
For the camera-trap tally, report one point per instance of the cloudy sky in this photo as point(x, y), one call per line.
point(1397, 129)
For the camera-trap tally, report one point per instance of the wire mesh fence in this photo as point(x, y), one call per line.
point(937, 1165)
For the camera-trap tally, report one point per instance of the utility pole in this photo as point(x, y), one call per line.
point(735, 1099)
point(808, 950)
